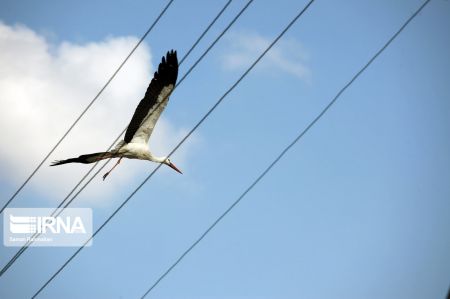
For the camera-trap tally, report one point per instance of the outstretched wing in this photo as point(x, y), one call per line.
point(86, 159)
point(155, 100)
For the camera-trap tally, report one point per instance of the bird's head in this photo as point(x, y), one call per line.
point(171, 165)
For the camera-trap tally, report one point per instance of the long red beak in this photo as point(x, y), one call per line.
point(174, 167)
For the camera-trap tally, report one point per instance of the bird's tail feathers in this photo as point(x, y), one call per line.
point(85, 159)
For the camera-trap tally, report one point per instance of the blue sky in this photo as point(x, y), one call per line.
point(357, 209)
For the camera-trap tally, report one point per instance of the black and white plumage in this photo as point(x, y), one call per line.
point(135, 142)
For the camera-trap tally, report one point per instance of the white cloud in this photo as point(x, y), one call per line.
point(288, 55)
point(43, 87)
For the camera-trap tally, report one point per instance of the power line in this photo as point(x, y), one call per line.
point(177, 146)
point(284, 151)
point(26, 245)
point(266, 170)
point(87, 107)
point(207, 29)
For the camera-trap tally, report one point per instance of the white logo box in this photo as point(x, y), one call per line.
point(72, 227)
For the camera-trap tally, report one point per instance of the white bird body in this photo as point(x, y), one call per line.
point(135, 142)
point(139, 151)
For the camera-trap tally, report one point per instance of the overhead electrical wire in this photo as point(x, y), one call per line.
point(271, 165)
point(178, 145)
point(284, 151)
point(86, 108)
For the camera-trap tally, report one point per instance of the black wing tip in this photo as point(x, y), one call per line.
point(171, 58)
point(57, 162)
point(85, 159)
point(168, 68)
point(60, 162)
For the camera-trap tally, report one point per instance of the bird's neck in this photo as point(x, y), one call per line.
point(157, 159)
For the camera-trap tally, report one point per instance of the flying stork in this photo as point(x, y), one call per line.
point(135, 143)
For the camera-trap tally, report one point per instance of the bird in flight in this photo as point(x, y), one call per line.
point(135, 143)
